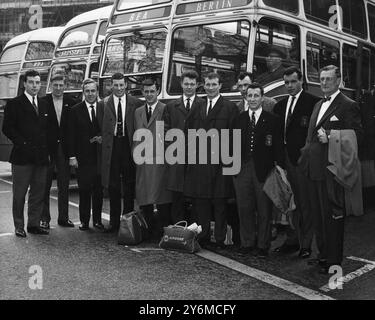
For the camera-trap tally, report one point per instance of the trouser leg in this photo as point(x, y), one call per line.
point(36, 195)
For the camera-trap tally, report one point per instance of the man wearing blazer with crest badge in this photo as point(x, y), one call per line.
point(334, 112)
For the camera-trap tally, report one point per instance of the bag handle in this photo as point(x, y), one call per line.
point(181, 224)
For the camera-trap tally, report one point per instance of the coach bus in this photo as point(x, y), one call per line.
point(78, 49)
point(31, 50)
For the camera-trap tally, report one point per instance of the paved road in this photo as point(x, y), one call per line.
point(90, 265)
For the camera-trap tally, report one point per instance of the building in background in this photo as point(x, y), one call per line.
point(19, 16)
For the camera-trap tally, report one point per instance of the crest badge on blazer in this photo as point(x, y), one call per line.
point(269, 140)
point(304, 121)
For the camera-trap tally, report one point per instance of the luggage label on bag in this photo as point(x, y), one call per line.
point(167, 238)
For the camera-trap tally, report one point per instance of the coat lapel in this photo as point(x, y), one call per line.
point(214, 111)
point(143, 116)
point(154, 114)
point(29, 106)
point(331, 109)
point(181, 107)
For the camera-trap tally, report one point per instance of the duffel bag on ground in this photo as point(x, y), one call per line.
point(132, 228)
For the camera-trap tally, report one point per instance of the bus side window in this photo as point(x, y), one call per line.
point(320, 51)
point(277, 47)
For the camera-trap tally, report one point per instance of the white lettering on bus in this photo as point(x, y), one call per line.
point(138, 16)
point(214, 5)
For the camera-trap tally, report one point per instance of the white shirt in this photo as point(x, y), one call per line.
point(245, 105)
point(257, 114)
point(191, 100)
point(214, 100)
point(123, 109)
point(325, 105)
point(58, 104)
point(288, 106)
point(89, 108)
point(152, 107)
point(31, 98)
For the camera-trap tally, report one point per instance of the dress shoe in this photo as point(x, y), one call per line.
point(304, 253)
point(246, 250)
point(99, 225)
point(286, 248)
point(262, 253)
point(220, 245)
point(37, 230)
point(67, 224)
point(111, 229)
point(84, 226)
point(44, 225)
point(20, 233)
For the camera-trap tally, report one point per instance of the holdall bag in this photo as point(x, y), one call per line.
point(179, 238)
point(132, 228)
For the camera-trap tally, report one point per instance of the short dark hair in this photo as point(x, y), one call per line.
point(150, 82)
point(118, 76)
point(31, 73)
point(212, 75)
point(289, 71)
point(331, 67)
point(243, 75)
point(255, 85)
point(191, 74)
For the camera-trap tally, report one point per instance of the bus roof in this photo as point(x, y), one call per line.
point(44, 34)
point(96, 14)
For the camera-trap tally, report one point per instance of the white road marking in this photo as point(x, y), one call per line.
point(370, 265)
point(5, 234)
point(265, 277)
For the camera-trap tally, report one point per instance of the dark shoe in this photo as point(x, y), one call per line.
point(262, 253)
point(304, 253)
point(245, 250)
point(286, 248)
point(37, 230)
point(20, 233)
point(44, 225)
point(99, 225)
point(67, 224)
point(111, 229)
point(220, 245)
point(84, 227)
point(315, 261)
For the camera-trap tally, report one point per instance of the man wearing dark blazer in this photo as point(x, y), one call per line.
point(261, 148)
point(205, 183)
point(58, 114)
point(25, 124)
point(295, 112)
point(338, 112)
point(84, 153)
point(176, 113)
point(118, 168)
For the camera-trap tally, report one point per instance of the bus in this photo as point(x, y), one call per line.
point(78, 49)
point(31, 50)
point(163, 38)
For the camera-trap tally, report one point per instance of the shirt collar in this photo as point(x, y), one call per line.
point(88, 105)
point(297, 95)
point(153, 106)
point(30, 97)
point(116, 99)
point(333, 96)
point(214, 100)
point(257, 113)
point(191, 99)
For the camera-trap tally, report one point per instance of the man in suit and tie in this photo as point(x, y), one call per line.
point(176, 114)
point(338, 112)
point(118, 168)
point(58, 114)
point(25, 124)
point(84, 153)
point(205, 183)
point(295, 112)
point(151, 174)
point(261, 147)
point(244, 79)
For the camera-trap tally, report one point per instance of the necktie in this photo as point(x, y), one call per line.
point(325, 99)
point(289, 116)
point(210, 107)
point(252, 132)
point(188, 104)
point(120, 131)
point(35, 106)
point(148, 112)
